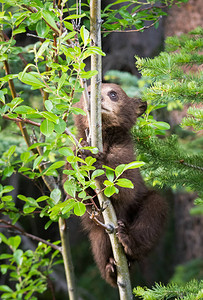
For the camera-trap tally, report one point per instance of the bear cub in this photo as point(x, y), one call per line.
point(141, 213)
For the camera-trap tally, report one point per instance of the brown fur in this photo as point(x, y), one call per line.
point(141, 213)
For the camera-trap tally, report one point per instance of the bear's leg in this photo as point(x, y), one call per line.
point(139, 237)
point(103, 256)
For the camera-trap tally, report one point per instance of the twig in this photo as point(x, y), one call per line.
point(32, 9)
point(33, 237)
point(13, 93)
point(189, 165)
point(108, 227)
point(133, 30)
point(19, 119)
point(71, 44)
point(27, 121)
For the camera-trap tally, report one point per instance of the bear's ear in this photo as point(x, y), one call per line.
point(139, 106)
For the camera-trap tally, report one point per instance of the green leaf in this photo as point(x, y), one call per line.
point(47, 16)
point(27, 209)
point(60, 127)
point(11, 151)
point(50, 116)
point(66, 151)
point(90, 160)
point(24, 109)
point(5, 256)
point(70, 203)
point(42, 28)
point(107, 168)
point(14, 242)
point(5, 288)
point(110, 175)
point(84, 35)
point(108, 183)
point(77, 111)
point(7, 198)
point(19, 30)
point(2, 96)
point(123, 182)
point(94, 150)
point(56, 195)
point(37, 145)
point(37, 161)
point(47, 127)
point(162, 125)
point(56, 165)
point(74, 16)
point(3, 239)
point(8, 171)
point(119, 170)
point(88, 74)
point(48, 105)
point(42, 198)
point(97, 173)
point(18, 256)
point(62, 81)
point(48, 224)
point(43, 48)
point(82, 194)
point(134, 165)
point(22, 197)
point(25, 156)
point(79, 209)
point(110, 190)
point(93, 50)
point(7, 188)
point(70, 188)
point(31, 79)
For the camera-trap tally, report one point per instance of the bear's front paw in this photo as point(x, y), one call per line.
point(123, 237)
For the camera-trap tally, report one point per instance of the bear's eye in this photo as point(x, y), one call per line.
point(113, 95)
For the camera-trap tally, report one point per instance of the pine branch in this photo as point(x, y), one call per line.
point(171, 70)
point(193, 290)
point(167, 163)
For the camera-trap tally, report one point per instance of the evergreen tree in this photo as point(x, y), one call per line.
point(170, 161)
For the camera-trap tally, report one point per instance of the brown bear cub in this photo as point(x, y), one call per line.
point(141, 213)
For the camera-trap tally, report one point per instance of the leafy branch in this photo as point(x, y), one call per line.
point(31, 236)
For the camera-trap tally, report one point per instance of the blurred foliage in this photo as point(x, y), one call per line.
point(186, 272)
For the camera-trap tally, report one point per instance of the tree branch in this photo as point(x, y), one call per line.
point(27, 121)
point(33, 237)
point(13, 93)
point(123, 279)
